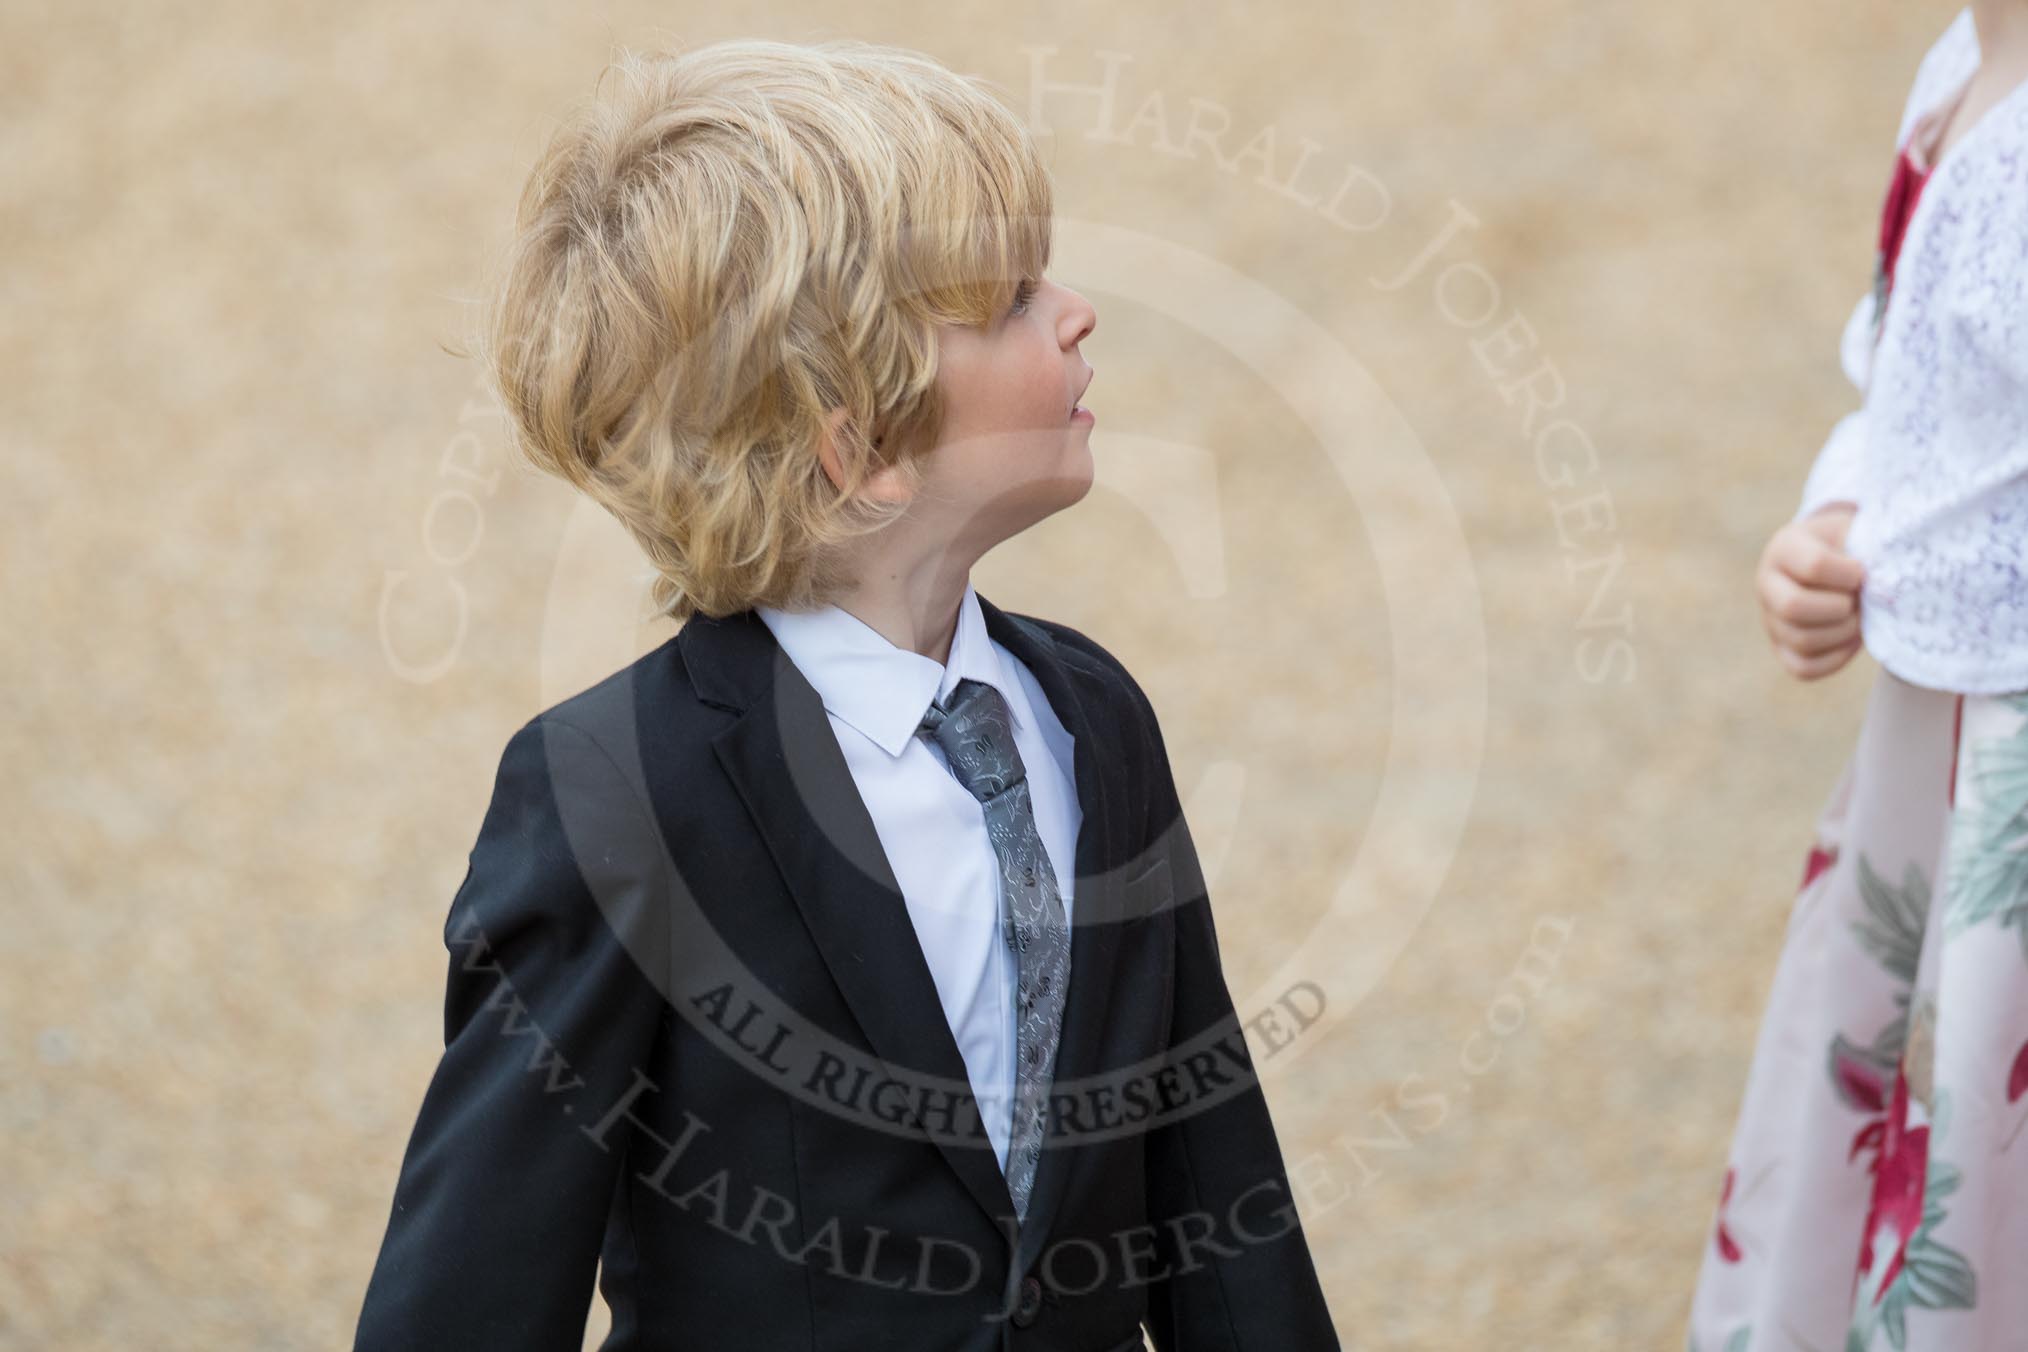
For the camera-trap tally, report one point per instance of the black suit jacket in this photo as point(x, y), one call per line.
point(689, 1030)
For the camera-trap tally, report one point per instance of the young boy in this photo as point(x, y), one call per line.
point(840, 973)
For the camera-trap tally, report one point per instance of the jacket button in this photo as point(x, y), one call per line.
point(1030, 1303)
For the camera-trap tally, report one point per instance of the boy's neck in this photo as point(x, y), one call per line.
point(911, 602)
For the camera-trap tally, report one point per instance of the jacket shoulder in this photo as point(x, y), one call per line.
point(1135, 728)
point(654, 687)
point(1088, 655)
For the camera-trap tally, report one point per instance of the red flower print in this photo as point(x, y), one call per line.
point(2017, 1078)
point(1897, 1189)
point(1728, 1247)
point(1862, 1083)
point(1819, 860)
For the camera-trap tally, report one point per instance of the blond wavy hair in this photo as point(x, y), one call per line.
point(719, 246)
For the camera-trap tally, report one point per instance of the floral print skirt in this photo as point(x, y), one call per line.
point(1877, 1190)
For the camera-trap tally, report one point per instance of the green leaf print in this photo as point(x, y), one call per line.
point(1943, 1180)
point(1933, 1276)
point(1939, 1278)
point(1988, 855)
point(1861, 1074)
point(1894, 1037)
point(1894, 1316)
point(1892, 930)
point(1892, 933)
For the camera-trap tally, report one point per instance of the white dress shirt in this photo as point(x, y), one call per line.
point(930, 826)
point(1936, 457)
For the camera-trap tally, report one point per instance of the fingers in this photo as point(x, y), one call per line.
point(1784, 598)
point(1809, 596)
point(1805, 555)
point(1816, 667)
point(1813, 640)
point(1832, 522)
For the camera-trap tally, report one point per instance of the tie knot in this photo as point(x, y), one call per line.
point(976, 732)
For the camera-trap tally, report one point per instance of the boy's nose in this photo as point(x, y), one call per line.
point(1079, 319)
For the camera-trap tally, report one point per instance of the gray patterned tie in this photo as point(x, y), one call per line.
point(977, 736)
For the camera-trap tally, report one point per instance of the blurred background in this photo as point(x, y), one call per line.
point(275, 594)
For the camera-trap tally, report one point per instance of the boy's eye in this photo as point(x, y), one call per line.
point(1022, 295)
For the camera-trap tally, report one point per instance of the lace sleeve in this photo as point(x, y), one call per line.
point(1838, 474)
point(1839, 471)
point(1983, 297)
point(1949, 62)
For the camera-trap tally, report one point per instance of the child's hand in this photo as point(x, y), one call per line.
point(1809, 593)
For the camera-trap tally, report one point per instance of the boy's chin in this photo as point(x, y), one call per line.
point(1047, 497)
point(1035, 502)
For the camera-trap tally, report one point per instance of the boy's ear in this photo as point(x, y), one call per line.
point(886, 484)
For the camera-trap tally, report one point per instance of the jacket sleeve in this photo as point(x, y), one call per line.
point(1248, 1284)
point(553, 1000)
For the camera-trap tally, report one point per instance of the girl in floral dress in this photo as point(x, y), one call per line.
point(1876, 1194)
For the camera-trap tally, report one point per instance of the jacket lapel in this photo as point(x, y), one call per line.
point(1077, 692)
point(784, 761)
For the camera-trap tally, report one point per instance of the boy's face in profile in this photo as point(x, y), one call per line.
point(1014, 447)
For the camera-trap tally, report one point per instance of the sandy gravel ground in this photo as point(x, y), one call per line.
point(263, 648)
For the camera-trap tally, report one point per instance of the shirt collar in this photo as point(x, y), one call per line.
point(880, 690)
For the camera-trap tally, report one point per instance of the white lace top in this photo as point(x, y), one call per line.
point(1936, 457)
